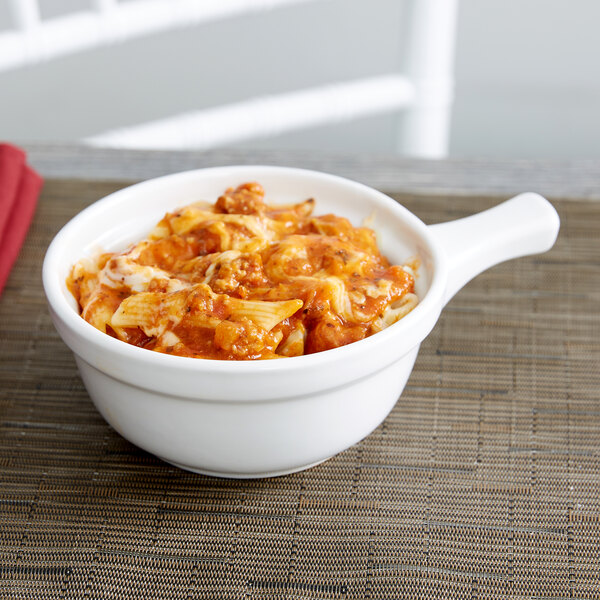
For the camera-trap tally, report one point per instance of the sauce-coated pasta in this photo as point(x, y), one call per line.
point(242, 280)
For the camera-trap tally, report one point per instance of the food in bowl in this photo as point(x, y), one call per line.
point(258, 418)
point(243, 280)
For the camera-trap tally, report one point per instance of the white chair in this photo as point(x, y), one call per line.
point(423, 91)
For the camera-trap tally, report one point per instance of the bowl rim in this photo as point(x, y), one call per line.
point(429, 305)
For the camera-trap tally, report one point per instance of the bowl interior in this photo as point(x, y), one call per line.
point(128, 215)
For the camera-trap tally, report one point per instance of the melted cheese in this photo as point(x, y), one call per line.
point(244, 280)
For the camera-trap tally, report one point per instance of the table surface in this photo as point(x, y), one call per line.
point(483, 482)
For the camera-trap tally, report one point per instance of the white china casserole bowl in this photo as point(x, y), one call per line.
point(265, 418)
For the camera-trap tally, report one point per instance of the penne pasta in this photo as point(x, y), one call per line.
point(264, 314)
point(139, 310)
point(395, 312)
point(242, 280)
point(152, 312)
point(294, 343)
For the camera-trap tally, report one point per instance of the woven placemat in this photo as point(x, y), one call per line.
point(484, 481)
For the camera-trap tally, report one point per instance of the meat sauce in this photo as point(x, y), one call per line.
point(210, 276)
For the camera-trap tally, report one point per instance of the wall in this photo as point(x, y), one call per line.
point(528, 79)
point(527, 76)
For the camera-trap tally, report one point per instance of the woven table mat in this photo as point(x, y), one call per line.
point(484, 481)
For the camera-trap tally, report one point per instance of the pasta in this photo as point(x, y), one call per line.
point(243, 280)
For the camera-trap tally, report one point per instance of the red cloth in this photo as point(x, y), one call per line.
point(20, 186)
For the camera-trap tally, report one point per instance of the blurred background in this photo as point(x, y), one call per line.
point(491, 78)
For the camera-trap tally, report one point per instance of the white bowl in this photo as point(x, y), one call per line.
point(265, 418)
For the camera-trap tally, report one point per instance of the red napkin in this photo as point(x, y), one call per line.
point(20, 186)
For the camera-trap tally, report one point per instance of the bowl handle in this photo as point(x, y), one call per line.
point(526, 224)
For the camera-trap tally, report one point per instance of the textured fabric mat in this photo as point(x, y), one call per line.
point(484, 481)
